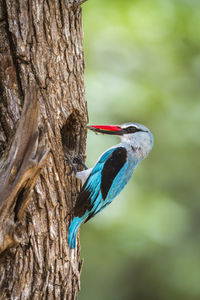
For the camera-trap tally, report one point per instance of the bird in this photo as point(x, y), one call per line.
point(110, 174)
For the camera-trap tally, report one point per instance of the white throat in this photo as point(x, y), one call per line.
point(140, 142)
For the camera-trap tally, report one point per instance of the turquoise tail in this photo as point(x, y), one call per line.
point(73, 229)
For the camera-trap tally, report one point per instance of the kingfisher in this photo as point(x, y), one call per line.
point(110, 174)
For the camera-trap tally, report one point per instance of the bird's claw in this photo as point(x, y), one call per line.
point(74, 169)
point(76, 160)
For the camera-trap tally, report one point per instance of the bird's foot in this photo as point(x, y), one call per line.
point(74, 168)
point(76, 160)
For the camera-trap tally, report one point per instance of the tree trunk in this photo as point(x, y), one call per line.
point(42, 114)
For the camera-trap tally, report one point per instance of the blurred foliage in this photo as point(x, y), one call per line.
point(143, 65)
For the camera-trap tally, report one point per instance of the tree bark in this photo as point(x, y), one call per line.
point(43, 114)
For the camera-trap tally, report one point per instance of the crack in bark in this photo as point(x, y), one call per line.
point(13, 53)
point(20, 169)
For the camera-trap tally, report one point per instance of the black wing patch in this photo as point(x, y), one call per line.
point(83, 202)
point(111, 168)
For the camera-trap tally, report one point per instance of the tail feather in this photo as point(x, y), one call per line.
point(73, 229)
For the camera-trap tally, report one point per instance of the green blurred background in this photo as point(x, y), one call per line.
point(143, 65)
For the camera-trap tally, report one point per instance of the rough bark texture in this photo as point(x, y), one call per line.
point(42, 114)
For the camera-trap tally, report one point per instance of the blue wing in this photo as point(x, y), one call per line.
point(107, 179)
point(104, 183)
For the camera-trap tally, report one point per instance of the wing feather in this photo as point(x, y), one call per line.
point(92, 197)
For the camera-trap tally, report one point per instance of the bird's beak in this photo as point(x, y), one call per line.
point(107, 129)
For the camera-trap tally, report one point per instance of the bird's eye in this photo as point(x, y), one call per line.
point(132, 129)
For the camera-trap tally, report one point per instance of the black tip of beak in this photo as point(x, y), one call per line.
point(93, 129)
point(90, 127)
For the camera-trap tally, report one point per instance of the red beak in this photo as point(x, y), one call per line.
point(107, 129)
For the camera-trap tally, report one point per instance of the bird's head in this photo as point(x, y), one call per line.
point(135, 134)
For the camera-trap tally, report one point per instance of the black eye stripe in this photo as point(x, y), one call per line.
point(132, 129)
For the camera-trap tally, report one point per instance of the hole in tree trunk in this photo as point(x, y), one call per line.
point(71, 134)
point(18, 203)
